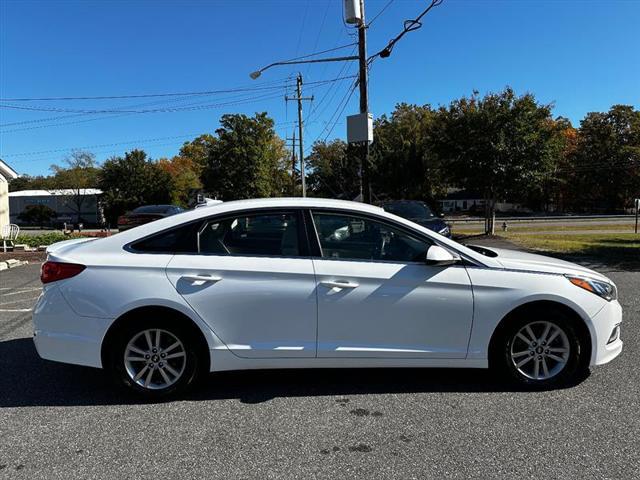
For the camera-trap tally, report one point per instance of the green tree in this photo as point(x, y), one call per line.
point(606, 162)
point(500, 145)
point(335, 170)
point(405, 165)
point(133, 180)
point(247, 159)
point(26, 182)
point(78, 174)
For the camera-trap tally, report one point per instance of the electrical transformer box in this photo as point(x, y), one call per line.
point(360, 128)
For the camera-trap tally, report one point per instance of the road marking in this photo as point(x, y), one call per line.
point(30, 299)
point(22, 291)
point(16, 310)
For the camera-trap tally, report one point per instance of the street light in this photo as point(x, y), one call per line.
point(257, 73)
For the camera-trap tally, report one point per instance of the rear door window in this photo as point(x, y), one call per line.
point(272, 234)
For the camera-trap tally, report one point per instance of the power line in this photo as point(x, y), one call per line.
point(353, 89)
point(279, 126)
point(409, 26)
point(146, 104)
point(304, 20)
point(87, 147)
point(266, 86)
point(314, 84)
point(380, 12)
point(335, 90)
point(336, 114)
point(324, 18)
point(150, 110)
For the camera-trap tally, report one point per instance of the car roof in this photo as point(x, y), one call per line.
point(238, 205)
point(116, 242)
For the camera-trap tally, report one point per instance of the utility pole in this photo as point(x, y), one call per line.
point(293, 163)
point(300, 98)
point(364, 101)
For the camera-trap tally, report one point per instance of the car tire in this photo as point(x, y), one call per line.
point(155, 358)
point(541, 349)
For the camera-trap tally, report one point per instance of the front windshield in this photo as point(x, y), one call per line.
point(409, 210)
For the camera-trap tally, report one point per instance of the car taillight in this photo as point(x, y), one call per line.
point(54, 271)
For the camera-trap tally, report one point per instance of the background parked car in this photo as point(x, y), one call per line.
point(420, 213)
point(146, 214)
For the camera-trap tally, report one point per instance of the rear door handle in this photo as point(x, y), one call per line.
point(339, 284)
point(201, 278)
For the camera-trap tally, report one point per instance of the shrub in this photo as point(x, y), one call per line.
point(45, 238)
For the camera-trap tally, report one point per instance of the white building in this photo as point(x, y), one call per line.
point(62, 201)
point(463, 201)
point(6, 173)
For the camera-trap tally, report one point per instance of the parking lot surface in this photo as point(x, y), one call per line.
point(60, 421)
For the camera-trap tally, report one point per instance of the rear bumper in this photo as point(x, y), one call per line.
point(604, 323)
point(67, 348)
point(62, 336)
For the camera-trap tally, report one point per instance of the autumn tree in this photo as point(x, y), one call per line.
point(185, 177)
point(197, 151)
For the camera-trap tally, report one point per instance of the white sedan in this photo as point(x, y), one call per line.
point(304, 283)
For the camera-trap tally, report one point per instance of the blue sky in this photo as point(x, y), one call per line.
point(582, 55)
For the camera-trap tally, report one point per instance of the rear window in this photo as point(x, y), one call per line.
point(274, 234)
point(177, 240)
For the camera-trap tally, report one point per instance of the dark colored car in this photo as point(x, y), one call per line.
point(146, 214)
point(420, 213)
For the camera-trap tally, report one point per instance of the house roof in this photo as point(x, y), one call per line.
point(7, 172)
point(54, 193)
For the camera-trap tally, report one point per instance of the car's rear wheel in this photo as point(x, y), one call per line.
point(154, 358)
point(541, 352)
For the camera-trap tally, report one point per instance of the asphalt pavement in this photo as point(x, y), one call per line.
point(61, 422)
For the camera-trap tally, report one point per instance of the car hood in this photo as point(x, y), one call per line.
point(530, 262)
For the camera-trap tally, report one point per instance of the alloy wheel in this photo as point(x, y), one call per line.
point(155, 359)
point(540, 350)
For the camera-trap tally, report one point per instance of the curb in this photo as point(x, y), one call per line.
point(12, 263)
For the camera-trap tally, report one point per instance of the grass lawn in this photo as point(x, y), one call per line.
point(544, 227)
point(622, 249)
point(579, 243)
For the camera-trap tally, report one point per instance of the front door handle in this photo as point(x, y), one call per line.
point(201, 278)
point(339, 284)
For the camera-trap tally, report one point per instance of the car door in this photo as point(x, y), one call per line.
point(252, 281)
point(378, 298)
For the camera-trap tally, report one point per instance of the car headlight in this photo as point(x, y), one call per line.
point(605, 290)
point(444, 231)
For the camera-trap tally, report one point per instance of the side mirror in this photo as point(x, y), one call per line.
point(439, 256)
point(441, 215)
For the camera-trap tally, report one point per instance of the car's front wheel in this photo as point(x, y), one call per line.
point(541, 352)
point(155, 359)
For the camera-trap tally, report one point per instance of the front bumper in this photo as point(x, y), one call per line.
point(604, 323)
point(63, 336)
